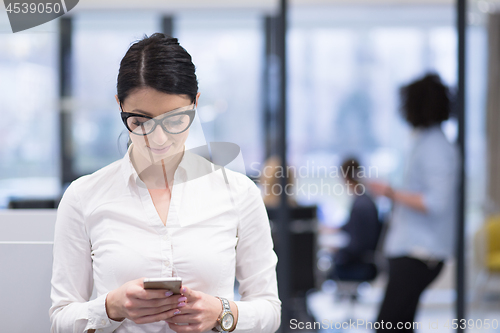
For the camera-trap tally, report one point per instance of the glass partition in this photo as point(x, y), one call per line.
point(29, 145)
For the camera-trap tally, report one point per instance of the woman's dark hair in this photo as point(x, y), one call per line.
point(350, 169)
point(425, 102)
point(159, 62)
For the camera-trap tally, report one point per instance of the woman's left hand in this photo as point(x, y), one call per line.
point(200, 311)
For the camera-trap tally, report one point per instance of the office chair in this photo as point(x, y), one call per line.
point(303, 230)
point(487, 253)
point(365, 272)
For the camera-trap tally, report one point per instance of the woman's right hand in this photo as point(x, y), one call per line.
point(141, 305)
point(380, 188)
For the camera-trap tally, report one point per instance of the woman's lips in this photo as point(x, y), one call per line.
point(161, 150)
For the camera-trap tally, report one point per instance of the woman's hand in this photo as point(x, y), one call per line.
point(141, 305)
point(200, 312)
point(379, 188)
point(410, 199)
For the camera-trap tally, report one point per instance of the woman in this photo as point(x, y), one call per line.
point(162, 211)
point(353, 261)
point(420, 237)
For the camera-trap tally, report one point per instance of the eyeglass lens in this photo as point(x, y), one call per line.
point(172, 124)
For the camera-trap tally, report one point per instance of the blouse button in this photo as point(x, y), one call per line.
point(165, 237)
point(166, 263)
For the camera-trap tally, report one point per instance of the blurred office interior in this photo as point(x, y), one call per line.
point(345, 63)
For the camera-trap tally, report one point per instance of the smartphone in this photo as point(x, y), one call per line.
point(170, 283)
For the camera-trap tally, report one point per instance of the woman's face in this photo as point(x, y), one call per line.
point(158, 144)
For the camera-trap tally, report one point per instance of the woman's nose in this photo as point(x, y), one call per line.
point(158, 136)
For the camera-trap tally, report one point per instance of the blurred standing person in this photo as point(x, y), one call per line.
point(420, 237)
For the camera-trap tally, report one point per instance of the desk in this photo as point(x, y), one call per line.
point(26, 239)
point(334, 240)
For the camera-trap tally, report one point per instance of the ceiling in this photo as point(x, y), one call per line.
point(235, 4)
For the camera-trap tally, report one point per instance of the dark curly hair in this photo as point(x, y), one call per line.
point(159, 62)
point(426, 101)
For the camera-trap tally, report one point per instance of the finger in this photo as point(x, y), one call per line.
point(185, 328)
point(156, 302)
point(153, 293)
point(189, 293)
point(183, 319)
point(156, 317)
point(142, 312)
point(134, 291)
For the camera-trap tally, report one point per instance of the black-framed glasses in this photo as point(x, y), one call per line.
point(175, 123)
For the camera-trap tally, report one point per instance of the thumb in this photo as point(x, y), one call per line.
point(188, 292)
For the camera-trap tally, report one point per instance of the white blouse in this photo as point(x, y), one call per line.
point(108, 233)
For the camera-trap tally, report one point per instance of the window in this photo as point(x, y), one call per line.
point(100, 41)
point(227, 50)
point(29, 146)
point(346, 64)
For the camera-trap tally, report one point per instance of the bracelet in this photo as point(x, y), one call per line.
point(216, 328)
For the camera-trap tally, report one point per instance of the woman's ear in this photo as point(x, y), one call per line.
point(196, 101)
point(117, 100)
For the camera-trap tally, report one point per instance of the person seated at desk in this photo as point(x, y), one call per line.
point(363, 228)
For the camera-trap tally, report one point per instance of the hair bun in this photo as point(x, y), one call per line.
point(166, 39)
point(172, 40)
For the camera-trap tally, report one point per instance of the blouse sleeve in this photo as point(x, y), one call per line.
point(259, 308)
point(72, 281)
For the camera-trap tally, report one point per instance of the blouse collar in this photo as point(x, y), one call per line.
point(129, 172)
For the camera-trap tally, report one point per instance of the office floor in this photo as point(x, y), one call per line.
point(435, 313)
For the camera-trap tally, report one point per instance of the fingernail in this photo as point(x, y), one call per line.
point(177, 312)
point(182, 299)
point(169, 293)
point(183, 289)
point(180, 305)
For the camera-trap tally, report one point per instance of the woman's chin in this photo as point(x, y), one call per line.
point(167, 156)
point(156, 156)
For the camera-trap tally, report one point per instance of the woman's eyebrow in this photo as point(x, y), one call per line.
point(150, 115)
point(143, 112)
